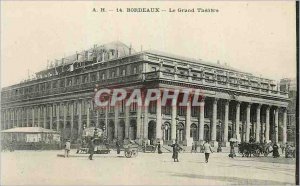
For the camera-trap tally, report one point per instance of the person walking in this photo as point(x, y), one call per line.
point(176, 149)
point(159, 148)
point(118, 146)
point(207, 150)
point(67, 148)
point(232, 153)
point(91, 148)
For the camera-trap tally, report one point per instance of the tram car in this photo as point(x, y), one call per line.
point(101, 145)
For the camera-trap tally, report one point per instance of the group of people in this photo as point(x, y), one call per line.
point(206, 148)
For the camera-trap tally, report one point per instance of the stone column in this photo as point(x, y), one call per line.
point(18, 117)
point(13, 117)
point(87, 113)
point(50, 115)
point(116, 109)
point(226, 122)
point(237, 121)
point(158, 119)
point(39, 116)
point(276, 125)
point(72, 118)
point(33, 124)
point(65, 113)
point(267, 133)
point(45, 116)
point(201, 121)
point(79, 117)
point(4, 121)
point(214, 121)
point(173, 122)
point(284, 127)
point(188, 124)
point(27, 117)
point(127, 121)
point(257, 131)
point(248, 123)
point(138, 121)
point(57, 116)
point(145, 122)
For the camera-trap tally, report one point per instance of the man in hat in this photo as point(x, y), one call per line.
point(176, 149)
point(67, 148)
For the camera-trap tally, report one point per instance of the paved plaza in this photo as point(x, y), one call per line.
point(46, 168)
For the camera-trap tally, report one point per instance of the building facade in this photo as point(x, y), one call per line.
point(290, 85)
point(233, 103)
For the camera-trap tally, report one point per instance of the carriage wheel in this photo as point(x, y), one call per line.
point(134, 153)
point(128, 154)
point(256, 153)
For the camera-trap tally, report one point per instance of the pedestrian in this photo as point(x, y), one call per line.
point(118, 146)
point(207, 150)
point(67, 148)
point(193, 147)
point(91, 147)
point(159, 148)
point(232, 153)
point(275, 151)
point(176, 149)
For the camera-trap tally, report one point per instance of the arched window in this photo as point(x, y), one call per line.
point(167, 131)
point(194, 132)
point(180, 132)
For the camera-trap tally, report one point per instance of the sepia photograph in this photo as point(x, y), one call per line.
point(149, 93)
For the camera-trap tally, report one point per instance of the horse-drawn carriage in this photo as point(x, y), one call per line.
point(100, 143)
point(131, 150)
point(255, 149)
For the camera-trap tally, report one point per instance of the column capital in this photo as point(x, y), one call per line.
point(227, 101)
point(258, 106)
point(249, 104)
point(215, 100)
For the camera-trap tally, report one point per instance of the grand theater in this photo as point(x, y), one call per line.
point(235, 104)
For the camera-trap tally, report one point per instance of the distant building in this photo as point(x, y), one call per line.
point(237, 104)
point(290, 85)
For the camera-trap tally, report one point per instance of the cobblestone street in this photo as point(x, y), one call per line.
point(46, 168)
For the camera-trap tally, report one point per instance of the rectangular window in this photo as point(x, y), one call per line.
point(84, 79)
point(62, 83)
point(93, 77)
point(54, 84)
point(69, 82)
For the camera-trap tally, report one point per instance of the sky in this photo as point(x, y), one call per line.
point(256, 37)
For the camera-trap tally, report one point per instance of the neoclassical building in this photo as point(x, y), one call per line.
point(235, 103)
